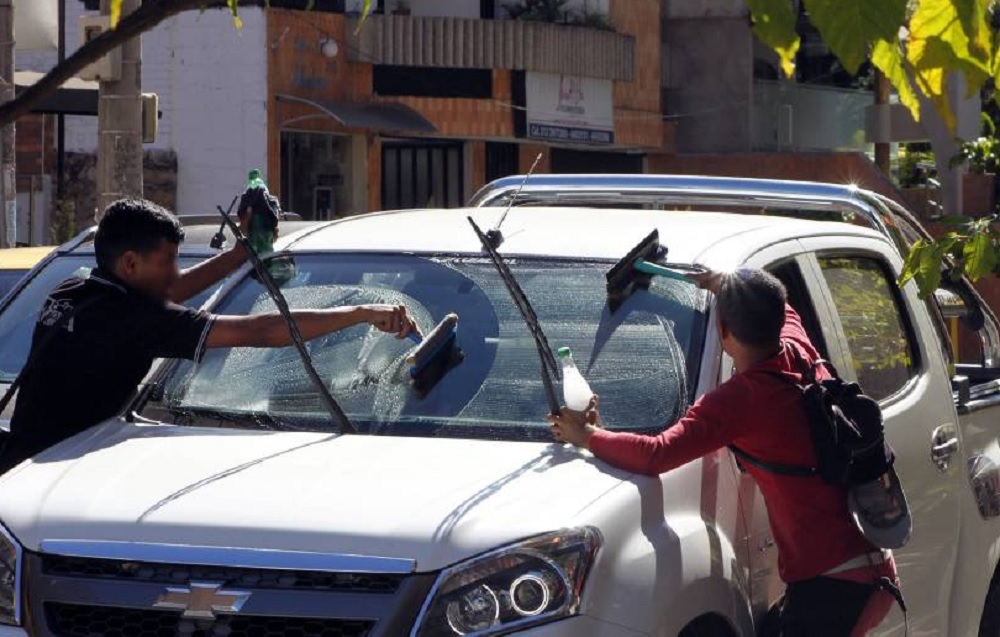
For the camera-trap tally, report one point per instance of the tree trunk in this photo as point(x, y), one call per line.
point(882, 93)
point(8, 176)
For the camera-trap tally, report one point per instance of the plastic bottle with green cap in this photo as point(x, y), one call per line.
point(576, 390)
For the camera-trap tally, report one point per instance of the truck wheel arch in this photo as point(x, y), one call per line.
point(710, 625)
point(989, 623)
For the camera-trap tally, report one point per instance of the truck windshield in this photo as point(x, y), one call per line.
point(17, 319)
point(639, 359)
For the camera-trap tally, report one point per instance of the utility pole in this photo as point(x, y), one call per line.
point(8, 176)
point(119, 123)
point(882, 97)
point(61, 203)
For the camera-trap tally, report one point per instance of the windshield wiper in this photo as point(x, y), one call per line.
point(549, 366)
point(263, 420)
point(340, 419)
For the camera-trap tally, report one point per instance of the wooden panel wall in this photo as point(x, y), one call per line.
point(638, 112)
point(493, 44)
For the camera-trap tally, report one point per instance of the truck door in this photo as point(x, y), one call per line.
point(795, 268)
point(892, 350)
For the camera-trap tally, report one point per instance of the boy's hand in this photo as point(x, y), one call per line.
point(709, 280)
point(393, 319)
point(576, 427)
point(244, 216)
point(244, 221)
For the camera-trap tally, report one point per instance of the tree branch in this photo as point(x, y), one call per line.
point(146, 17)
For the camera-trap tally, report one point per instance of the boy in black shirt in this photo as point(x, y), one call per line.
point(97, 338)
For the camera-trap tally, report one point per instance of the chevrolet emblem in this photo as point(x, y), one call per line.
point(202, 600)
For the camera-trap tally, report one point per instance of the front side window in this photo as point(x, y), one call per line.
point(866, 298)
point(638, 359)
point(18, 318)
point(9, 280)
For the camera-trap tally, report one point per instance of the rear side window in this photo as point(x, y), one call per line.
point(875, 328)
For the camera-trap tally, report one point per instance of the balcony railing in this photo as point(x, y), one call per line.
point(789, 116)
point(500, 44)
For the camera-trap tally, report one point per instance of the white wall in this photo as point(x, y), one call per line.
point(81, 132)
point(212, 83)
point(36, 24)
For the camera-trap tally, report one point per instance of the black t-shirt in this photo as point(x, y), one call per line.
point(88, 367)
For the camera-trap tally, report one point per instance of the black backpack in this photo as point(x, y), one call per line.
point(848, 437)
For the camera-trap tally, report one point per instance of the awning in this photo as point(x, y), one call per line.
point(75, 97)
point(380, 116)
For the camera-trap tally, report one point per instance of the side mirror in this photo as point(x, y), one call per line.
point(961, 387)
point(956, 303)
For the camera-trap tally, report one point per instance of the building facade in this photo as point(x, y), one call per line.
point(418, 105)
point(423, 103)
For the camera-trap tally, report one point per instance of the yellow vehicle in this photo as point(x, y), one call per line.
point(15, 263)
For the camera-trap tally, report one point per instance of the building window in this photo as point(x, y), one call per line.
point(595, 161)
point(501, 160)
point(519, 100)
point(315, 175)
point(419, 81)
point(422, 175)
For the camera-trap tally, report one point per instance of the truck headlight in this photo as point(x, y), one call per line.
point(531, 582)
point(10, 579)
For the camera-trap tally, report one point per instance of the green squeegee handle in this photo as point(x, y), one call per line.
point(658, 270)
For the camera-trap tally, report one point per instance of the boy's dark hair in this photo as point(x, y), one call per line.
point(751, 305)
point(133, 224)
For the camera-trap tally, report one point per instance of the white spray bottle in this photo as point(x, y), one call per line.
point(576, 390)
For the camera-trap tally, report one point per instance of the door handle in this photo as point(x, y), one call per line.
point(946, 449)
point(944, 445)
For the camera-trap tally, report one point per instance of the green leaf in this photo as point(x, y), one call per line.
point(236, 17)
point(931, 60)
point(887, 56)
point(912, 262)
point(923, 264)
point(847, 26)
point(116, 12)
point(980, 256)
point(948, 35)
point(774, 24)
point(929, 269)
point(366, 11)
point(989, 128)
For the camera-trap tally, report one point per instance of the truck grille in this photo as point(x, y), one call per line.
point(70, 620)
point(62, 566)
point(110, 597)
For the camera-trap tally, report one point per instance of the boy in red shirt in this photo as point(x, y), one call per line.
point(829, 567)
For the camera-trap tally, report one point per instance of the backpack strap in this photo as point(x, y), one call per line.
point(808, 372)
point(773, 467)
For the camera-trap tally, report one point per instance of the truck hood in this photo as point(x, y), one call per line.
point(436, 501)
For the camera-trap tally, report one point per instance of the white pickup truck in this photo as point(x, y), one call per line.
point(227, 503)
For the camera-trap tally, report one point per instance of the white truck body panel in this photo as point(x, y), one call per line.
point(686, 544)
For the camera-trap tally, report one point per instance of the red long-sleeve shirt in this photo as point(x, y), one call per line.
point(764, 416)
